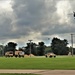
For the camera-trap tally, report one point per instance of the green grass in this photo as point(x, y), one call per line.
point(58, 63)
point(15, 74)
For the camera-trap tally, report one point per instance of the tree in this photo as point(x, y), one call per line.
point(11, 46)
point(48, 49)
point(33, 48)
point(59, 47)
point(41, 49)
point(27, 50)
point(1, 50)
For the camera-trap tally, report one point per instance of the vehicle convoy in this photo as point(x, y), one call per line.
point(50, 55)
point(16, 54)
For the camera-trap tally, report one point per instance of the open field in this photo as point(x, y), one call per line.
point(58, 63)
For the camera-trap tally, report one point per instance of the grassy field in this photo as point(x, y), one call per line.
point(58, 63)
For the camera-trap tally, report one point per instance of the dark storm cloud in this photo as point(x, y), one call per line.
point(5, 25)
point(30, 11)
point(33, 13)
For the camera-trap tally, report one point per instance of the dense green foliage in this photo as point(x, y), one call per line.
point(35, 49)
point(1, 50)
point(41, 49)
point(60, 62)
point(48, 49)
point(11, 46)
point(59, 47)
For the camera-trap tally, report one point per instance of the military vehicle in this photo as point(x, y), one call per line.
point(9, 54)
point(50, 55)
point(19, 54)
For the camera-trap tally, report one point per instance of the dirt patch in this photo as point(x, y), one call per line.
point(42, 72)
point(57, 72)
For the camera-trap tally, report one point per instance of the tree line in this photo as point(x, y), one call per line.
point(58, 47)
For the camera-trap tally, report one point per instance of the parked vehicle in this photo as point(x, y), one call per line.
point(19, 54)
point(9, 54)
point(50, 55)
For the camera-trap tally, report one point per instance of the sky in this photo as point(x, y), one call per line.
point(37, 20)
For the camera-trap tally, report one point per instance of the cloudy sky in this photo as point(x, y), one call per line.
point(38, 20)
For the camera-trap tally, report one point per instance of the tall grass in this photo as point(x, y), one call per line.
point(63, 63)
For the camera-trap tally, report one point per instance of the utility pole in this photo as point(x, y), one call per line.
point(30, 47)
point(72, 42)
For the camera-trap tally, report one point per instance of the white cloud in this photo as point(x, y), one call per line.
point(63, 10)
point(6, 5)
